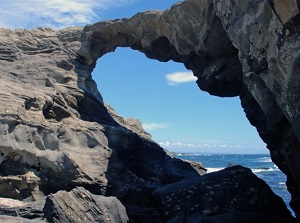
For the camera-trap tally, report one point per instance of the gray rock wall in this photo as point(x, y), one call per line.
point(56, 135)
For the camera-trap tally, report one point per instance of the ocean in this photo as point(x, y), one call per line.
point(260, 164)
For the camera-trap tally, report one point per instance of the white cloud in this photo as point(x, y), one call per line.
point(202, 146)
point(153, 126)
point(53, 13)
point(180, 77)
point(212, 148)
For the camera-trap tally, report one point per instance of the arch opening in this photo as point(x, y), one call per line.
point(177, 114)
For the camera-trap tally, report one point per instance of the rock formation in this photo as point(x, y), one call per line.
point(59, 142)
point(82, 206)
point(239, 48)
point(190, 198)
point(56, 133)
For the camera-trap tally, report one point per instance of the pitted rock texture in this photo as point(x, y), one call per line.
point(213, 196)
point(56, 133)
point(239, 48)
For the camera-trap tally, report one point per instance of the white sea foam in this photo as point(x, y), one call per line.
point(266, 159)
point(256, 170)
point(213, 169)
point(210, 170)
point(262, 170)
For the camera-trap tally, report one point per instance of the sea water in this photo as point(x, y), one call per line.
point(261, 165)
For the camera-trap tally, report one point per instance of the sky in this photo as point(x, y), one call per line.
point(163, 96)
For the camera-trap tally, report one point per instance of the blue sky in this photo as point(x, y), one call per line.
point(163, 96)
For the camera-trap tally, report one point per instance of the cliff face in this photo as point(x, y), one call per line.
point(67, 157)
point(57, 134)
point(241, 48)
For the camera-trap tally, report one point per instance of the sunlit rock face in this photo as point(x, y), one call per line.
point(240, 48)
point(60, 143)
point(56, 135)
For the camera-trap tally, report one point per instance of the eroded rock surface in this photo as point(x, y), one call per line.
point(240, 48)
point(57, 135)
point(232, 191)
point(79, 205)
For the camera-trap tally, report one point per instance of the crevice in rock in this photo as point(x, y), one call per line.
point(48, 83)
point(162, 50)
point(293, 26)
point(31, 103)
point(12, 127)
point(91, 110)
point(55, 111)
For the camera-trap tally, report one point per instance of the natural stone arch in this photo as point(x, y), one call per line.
point(57, 135)
point(212, 40)
point(158, 35)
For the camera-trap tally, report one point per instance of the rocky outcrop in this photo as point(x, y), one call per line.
point(79, 205)
point(241, 48)
point(58, 135)
point(217, 196)
point(59, 142)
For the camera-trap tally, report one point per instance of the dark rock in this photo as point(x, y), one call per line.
point(144, 168)
point(218, 196)
point(131, 123)
point(270, 62)
point(230, 217)
point(171, 35)
point(79, 205)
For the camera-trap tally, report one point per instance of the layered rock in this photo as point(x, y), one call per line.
point(59, 142)
point(57, 134)
point(79, 205)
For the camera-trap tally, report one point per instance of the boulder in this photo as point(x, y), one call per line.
point(79, 205)
point(233, 194)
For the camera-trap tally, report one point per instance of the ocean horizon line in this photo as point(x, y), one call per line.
point(215, 153)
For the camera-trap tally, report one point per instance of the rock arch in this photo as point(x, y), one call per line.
point(231, 55)
point(55, 129)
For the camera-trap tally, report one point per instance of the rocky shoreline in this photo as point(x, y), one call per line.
point(65, 156)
